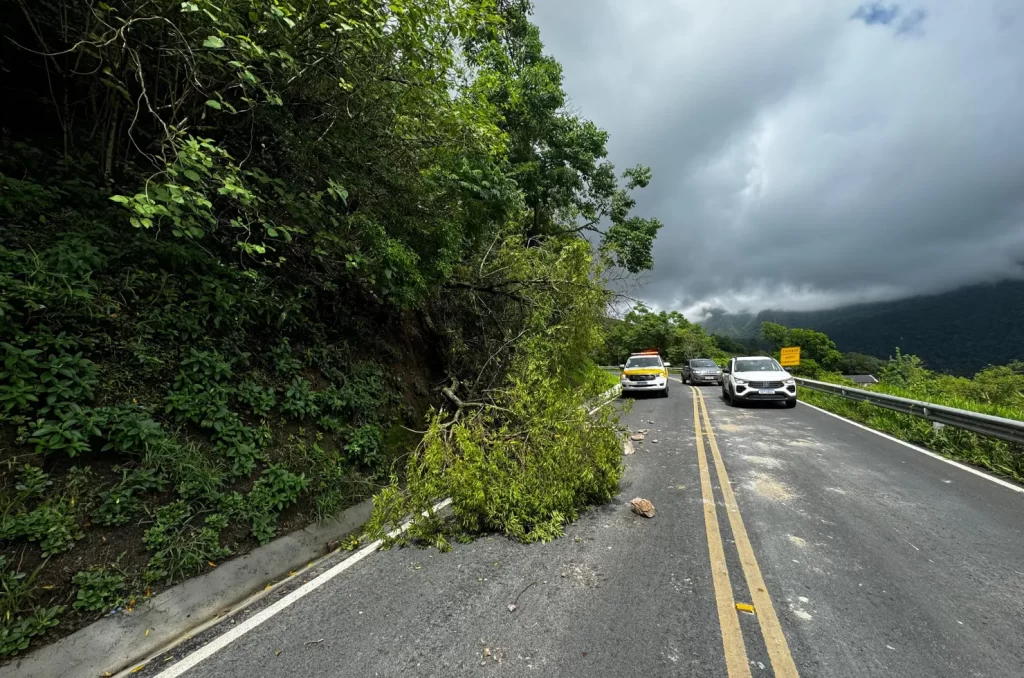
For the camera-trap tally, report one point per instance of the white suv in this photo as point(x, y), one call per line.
point(757, 378)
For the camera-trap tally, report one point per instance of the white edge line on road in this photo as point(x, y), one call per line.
point(963, 467)
point(225, 639)
point(616, 389)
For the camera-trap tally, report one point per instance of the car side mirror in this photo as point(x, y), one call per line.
point(725, 370)
point(668, 364)
point(622, 367)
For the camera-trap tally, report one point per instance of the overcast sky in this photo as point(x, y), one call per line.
point(809, 153)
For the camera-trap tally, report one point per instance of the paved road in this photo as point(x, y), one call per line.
point(861, 557)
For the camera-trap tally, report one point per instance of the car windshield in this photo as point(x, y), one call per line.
point(757, 366)
point(645, 361)
point(703, 363)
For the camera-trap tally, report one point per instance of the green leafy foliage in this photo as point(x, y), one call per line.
point(15, 635)
point(813, 345)
point(183, 543)
point(276, 489)
point(20, 620)
point(527, 459)
point(221, 223)
point(53, 525)
point(298, 401)
point(858, 363)
point(259, 399)
point(668, 332)
point(99, 590)
point(119, 504)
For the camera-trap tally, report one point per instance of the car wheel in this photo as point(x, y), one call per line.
point(726, 396)
point(791, 403)
point(664, 394)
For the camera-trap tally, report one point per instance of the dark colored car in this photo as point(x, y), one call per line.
point(701, 371)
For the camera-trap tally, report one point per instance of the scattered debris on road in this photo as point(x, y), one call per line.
point(310, 643)
point(514, 605)
point(655, 441)
point(627, 447)
point(277, 652)
point(744, 607)
point(642, 507)
point(636, 437)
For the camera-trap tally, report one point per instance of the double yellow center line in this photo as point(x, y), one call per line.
point(736, 661)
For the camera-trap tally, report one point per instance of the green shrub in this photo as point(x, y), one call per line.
point(275, 490)
point(20, 386)
point(32, 483)
point(53, 525)
point(363, 445)
point(203, 367)
point(69, 433)
point(119, 504)
point(180, 548)
point(260, 400)
point(329, 476)
point(129, 429)
point(16, 633)
point(99, 590)
point(285, 363)
point(299, 401)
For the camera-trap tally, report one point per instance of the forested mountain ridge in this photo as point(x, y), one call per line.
point(959, 332)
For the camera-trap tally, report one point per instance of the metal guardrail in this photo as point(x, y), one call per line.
point(1010, 430)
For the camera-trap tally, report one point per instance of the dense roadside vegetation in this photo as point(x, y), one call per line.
point(998, 391)
point(248, 248)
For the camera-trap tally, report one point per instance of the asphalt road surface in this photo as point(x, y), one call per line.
point(857, 555)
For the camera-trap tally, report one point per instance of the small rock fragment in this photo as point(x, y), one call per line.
point(512, 607)
point(637, 437)
point(627, 447)
point(642, 507)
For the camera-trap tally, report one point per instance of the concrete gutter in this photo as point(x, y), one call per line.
point(118, 642)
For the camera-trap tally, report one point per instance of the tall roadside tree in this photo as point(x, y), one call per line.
point(668, 332)
point(558, 159)
point(813, 345)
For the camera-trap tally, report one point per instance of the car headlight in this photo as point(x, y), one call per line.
point(790, 382)
point(740, 382)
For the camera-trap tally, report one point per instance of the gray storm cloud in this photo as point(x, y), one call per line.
point(809, 154)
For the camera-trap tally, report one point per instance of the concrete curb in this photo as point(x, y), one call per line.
point(115, 643)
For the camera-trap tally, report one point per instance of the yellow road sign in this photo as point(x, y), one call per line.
point(790, 356)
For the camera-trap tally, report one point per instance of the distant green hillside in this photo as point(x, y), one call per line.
point(958, 332)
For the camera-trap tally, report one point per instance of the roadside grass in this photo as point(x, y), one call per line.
point(608, 377)
point(1001, 458)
